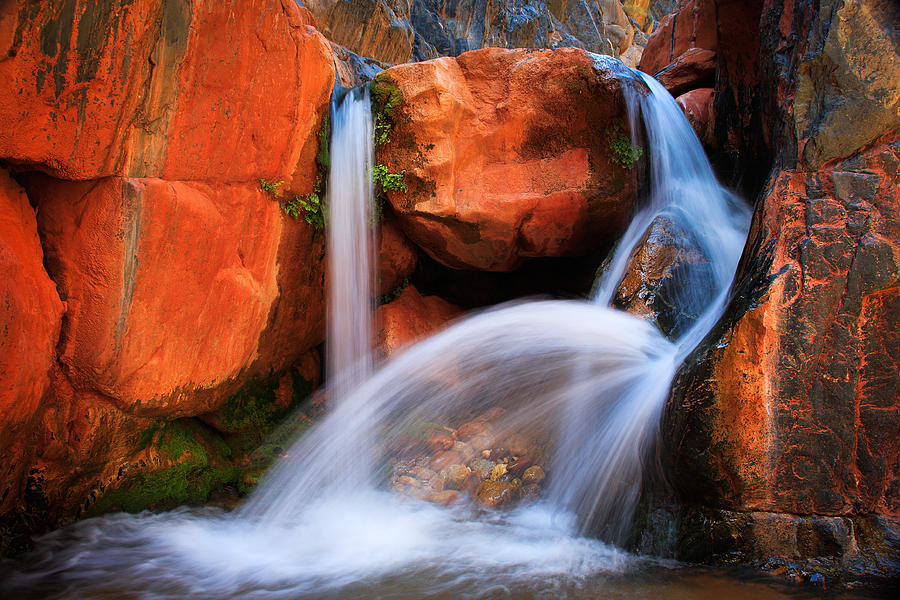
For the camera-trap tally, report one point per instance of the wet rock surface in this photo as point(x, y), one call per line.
point(654, 287)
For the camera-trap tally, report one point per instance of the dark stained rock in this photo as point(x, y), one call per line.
point(397, 32)
point(654, 286)
point(792, 406)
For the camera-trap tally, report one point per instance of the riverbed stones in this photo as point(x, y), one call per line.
point(494, 478)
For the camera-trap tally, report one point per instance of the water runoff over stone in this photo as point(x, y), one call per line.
point(584, 383)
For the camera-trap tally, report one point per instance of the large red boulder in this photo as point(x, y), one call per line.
point(162, 89)
point(168, 285)
point(506, 155)
point(410, 317)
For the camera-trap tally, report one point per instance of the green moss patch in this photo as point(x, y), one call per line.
point(201, 465)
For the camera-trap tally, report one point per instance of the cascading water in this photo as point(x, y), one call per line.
point(584, 384)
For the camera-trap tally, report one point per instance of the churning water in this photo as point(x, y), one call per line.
point(580, 385)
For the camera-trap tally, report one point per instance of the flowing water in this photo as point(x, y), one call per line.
point(579, 385)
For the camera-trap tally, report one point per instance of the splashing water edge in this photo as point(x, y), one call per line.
point(586, 381)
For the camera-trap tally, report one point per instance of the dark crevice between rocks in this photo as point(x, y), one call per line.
point(565, 278)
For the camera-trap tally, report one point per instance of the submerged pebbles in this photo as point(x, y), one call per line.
point(445, 465)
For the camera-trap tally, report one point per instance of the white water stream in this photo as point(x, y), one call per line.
point(584, 383)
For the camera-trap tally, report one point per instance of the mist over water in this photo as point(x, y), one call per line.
point(585, 384)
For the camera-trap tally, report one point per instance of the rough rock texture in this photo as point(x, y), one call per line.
point(184, 283)
point(795, 408)
point(156, 274)
point(653, 282)
point(369, 28)
point(498, 172)
point(783, 426)
point(398, 31)
point(842, 91)
point(135, 89)
point(408, 318)
point(30, 314)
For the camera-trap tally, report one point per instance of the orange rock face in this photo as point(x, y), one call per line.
point(694, 25)
point(168, 284)
point(30, 313)
point(396, 256)
point(409, 318)
point(795, 407)
point(505, 156)
point(153, 122)
point(154, 89)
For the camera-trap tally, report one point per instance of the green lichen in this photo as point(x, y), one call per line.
point(251, 413)
point(323, 155)
point(311, 206)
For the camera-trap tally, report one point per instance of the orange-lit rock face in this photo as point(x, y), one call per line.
point(396, 256)
point(168, 284)
point(30, 312)
point(796, 408)
point(409, 318)
point(505, 156)
point(182, 279)
point(162, 89)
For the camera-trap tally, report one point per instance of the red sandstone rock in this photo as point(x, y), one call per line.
point(396, 256)
point(152, 89)
point(694, 68)
point(694, 25)
point(698, 108)
point(409, 318)
point(30, 313)
point(505, 156)
point(494, 494)
point(469, 430)
point(168, 285)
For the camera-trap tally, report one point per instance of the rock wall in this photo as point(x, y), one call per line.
point(789, 412)
point(148, 277)
point(399, 31)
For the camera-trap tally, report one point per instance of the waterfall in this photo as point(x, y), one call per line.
point(350, 243)
point(582, 383)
